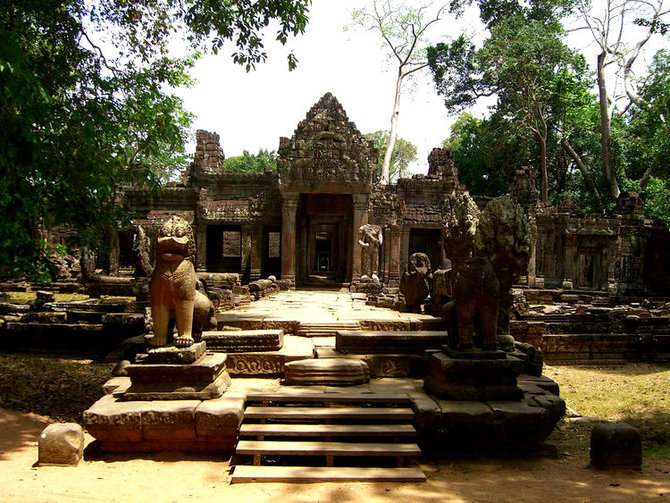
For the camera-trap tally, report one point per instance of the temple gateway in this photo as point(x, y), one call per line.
point(301, 222)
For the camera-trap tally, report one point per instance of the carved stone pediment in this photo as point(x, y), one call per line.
point(327, 153)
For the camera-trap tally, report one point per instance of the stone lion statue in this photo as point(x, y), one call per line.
point(173, 283)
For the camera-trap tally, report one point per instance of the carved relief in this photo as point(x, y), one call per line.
point(326, 150)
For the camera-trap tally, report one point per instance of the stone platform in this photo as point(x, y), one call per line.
point(269, 363)
point(443, 426)
point(389, 342)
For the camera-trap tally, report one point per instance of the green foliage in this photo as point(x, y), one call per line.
point(648, 136)
point(486, 152)
point(541, 86)
point(79, 120)
point(404, 153)
point(249, 163)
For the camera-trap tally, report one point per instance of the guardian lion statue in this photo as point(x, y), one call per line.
point(173, 283)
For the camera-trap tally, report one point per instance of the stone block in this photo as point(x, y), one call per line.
point(615, 445)
point(116, 385)
point(519, 424)
point(61, 444)
point(375, 342)
point(111, 420)
point(173, 355)
point(473, 379)
point(239, 341)
point(169, 420)
point(331, 371)
point(219, 417)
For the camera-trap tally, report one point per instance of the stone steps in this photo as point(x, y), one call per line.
point(309, 329)
point(359, 429)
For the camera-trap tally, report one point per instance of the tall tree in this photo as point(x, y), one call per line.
point(404, 153)
point(87, 103)
point(612, 24)
point(520, 63)
point(403, 31)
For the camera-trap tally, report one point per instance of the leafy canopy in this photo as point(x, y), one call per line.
point(87, 104)
point(250, 163)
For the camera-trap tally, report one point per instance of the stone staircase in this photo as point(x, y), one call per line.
point(294, 436)
point(328, 329)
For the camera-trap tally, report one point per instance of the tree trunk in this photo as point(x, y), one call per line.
point(544, 178)
point(606, 129)
point(585, 173)
point(393, 133)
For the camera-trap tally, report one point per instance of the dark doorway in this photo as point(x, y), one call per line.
point(271, 252)
point(324, 240)
point(428, 241)
point(224, 248)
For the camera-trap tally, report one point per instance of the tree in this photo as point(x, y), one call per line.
point(403, 31)
point(487, 153)
point(249, 163)
point(521, 63)
point(611, 24)
point(404, 153)
point(647, 140)
point(86, 104)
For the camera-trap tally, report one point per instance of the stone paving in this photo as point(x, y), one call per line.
point(321, 306)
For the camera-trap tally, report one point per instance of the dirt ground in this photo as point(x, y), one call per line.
point(177, 477)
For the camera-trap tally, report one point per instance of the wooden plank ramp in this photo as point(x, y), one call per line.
point(310, 448)
point(327, 430)
point(353, 436)
point(323, 413)
point(245, 473)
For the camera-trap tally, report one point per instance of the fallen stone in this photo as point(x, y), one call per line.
point(61, 444)
point(615, 445)
point(331, 371)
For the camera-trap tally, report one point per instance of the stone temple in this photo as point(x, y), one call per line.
point(300, 223)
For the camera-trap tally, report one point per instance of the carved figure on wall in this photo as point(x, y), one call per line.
point(142, 253)
point(173, 282)
point(370, 238)
point(415, 281)
point(477, 296)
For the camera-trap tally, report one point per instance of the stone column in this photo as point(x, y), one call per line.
point(404, 248)
point(289, 207)
point(256, 251)
point(201, 248)
point(245, 268)
point(394, 260)
point(114, 253)
point(360, 218)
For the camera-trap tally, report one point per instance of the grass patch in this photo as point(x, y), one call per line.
point(51, 387)
point(635, 393)
point(26, 297)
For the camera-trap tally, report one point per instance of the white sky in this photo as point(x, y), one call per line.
point(252, 110)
